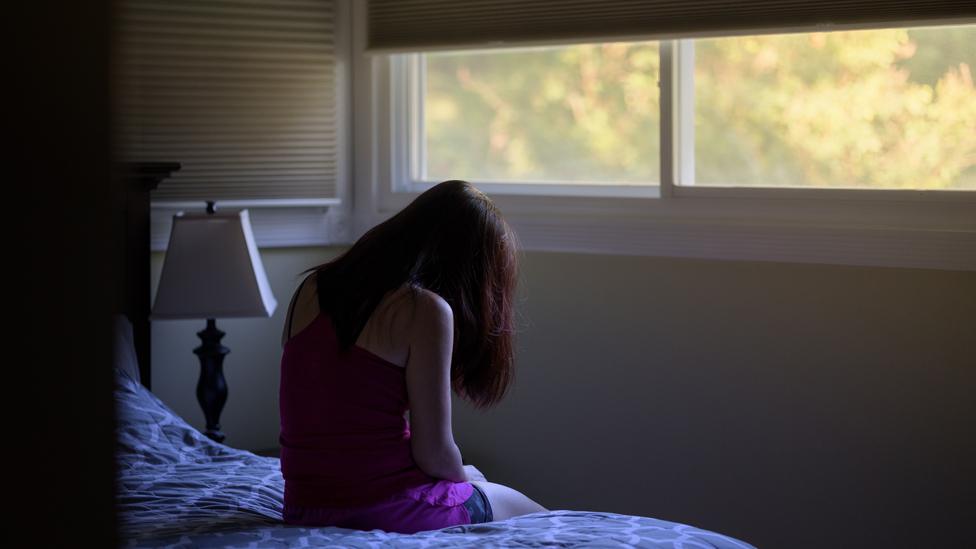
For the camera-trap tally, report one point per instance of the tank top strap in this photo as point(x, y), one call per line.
point(291, 305)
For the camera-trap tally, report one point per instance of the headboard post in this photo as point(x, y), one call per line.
point(140, 179)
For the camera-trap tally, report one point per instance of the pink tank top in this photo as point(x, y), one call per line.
point(345, 442)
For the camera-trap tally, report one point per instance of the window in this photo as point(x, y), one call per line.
point(869, 109)
point(593, 139)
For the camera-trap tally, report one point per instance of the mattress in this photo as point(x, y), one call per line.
point(178, 488)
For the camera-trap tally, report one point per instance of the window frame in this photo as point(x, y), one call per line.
point(408, 74)
point(880, 227)
point(677, 178)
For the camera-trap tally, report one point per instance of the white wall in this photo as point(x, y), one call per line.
point(790, 405)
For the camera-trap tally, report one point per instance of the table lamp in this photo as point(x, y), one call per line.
point(212, 270)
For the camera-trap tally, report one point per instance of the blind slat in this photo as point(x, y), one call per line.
point(200, 96)
point(246, 13)
point(148, 84)
point(267, 168)
point(219, 110)
point(304, 25)
point(206, 155)
point(419, 25)
point(151, 50)
point(241, 92)
point(239, 184)
point(232, 176)
point(147, 40)
point(200, 76)
point(282, 139)
point(180, 129)
point(215, 62)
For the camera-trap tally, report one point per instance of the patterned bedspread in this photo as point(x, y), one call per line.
point(177, 488)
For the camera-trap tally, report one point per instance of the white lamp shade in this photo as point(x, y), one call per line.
point(212, 269)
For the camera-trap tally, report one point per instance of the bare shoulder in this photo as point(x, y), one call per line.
point(430, 308)
point(431, 335)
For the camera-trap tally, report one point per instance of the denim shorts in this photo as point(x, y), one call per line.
point(478, 506)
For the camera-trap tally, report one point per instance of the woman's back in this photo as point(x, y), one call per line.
point(345, 440)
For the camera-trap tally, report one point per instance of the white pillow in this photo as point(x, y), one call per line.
point(123, 349)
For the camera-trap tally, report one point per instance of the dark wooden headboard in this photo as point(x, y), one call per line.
point(140, 179)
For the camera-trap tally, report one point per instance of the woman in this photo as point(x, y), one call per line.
point(420, 305)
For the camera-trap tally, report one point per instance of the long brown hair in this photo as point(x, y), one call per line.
point(450, 240)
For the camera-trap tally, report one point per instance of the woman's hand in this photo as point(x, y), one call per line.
point(473, 473)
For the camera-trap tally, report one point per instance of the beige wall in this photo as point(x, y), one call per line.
point(790, 405)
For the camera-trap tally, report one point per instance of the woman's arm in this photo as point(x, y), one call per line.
point(429, 389)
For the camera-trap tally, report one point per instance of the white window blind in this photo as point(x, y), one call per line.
point(241, 92)
point(417, 25)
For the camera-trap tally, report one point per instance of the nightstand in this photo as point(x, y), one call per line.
point(268, 452)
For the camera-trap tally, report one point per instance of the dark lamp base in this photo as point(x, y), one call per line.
point(212, 388)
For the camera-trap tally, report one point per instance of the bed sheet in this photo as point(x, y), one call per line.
point(178, 488)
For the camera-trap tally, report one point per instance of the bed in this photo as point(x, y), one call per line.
point(177, 488)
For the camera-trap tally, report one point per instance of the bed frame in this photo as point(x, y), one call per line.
point(140, 179)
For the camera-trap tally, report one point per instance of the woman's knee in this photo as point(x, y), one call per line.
point(507, 502)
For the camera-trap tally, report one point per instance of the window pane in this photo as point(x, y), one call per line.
point(868, 109)
point(576, 114)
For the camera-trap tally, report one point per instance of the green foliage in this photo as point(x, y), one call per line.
point(584, 113)
point(836, 110)
point(883, 109)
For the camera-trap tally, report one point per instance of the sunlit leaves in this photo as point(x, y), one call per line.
point(584, 113)
point(836, 110)
point(878, 109)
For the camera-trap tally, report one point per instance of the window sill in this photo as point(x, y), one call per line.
point(728, 240)
point(941, 236)
point(830, 228)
